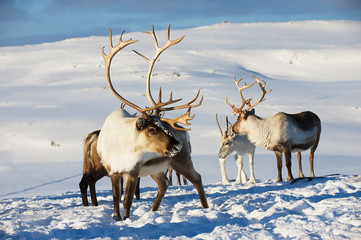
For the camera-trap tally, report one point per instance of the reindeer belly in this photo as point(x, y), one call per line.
point(300, 147)
point(154, 166)
point(303, 140)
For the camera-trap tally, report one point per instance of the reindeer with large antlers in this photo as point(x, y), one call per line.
point(281, 133)
point(132, 146)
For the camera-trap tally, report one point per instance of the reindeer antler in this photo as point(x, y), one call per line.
point(159, 51)
point(159, 106)
point(248, 101)
point(107, 61)
point(220, 129)
point(264, 91)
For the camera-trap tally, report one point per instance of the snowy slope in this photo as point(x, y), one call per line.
point(53, 94)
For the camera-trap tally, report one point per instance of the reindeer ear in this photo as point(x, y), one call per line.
point(247, 113)
point(243, 114)
point(140, 123)
point(232, 133)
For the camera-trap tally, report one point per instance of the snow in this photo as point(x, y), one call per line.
point(323, 208)
point(53, 94)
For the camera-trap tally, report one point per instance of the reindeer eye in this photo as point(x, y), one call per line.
point(152, 130)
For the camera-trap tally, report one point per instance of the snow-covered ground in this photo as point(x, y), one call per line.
point(53, 94)
point(325, 208)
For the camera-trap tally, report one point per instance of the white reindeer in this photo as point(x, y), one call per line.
point(281, 133)
point(133, 147)
point(239, 143)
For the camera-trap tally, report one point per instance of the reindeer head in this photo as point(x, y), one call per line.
point(243, 114)
point(154, 136)
point(227, 140)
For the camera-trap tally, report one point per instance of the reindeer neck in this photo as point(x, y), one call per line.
point(258, 130)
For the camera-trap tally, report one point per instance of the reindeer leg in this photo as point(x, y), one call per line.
point(241, 175)
point(288, 164)
point(163, 182)
point(130, 186)
point(187, 170)
point(93, 193)
point(184, 180)
point(137, 190)
point(121, 186)
point(178, 178)
point(311, 161)
point(83, 189)
point(170, 174)
point(252, 178)
point(222, 162)
point(279, 165)
point(115, 178)
point(300, 173)
point(94, 178)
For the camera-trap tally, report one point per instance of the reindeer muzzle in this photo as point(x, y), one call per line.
point(174, 148)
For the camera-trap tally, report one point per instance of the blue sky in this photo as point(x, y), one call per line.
point(36, 21)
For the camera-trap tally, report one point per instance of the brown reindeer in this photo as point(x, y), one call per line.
point(282, 133)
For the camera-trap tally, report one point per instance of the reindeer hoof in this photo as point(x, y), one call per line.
point(117, 218)
point(279, 180)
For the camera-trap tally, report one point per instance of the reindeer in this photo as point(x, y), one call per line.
point(93, 170)
point(239, 143)
point(281, 133)
point(133, 147)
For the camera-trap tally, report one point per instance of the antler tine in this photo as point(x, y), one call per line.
point(186, 105)
point(227, 122)
point(116, 49)
point(154, 36)
point(107, 62)
point(264, 91)
point(111, 38)
point(235, 110)
point(240, 89)
point(159, 50)
point(172, 42)
point(220, 129)
point(170, 101)
point(182, 120)
point(244, 101)
point(160, 104)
